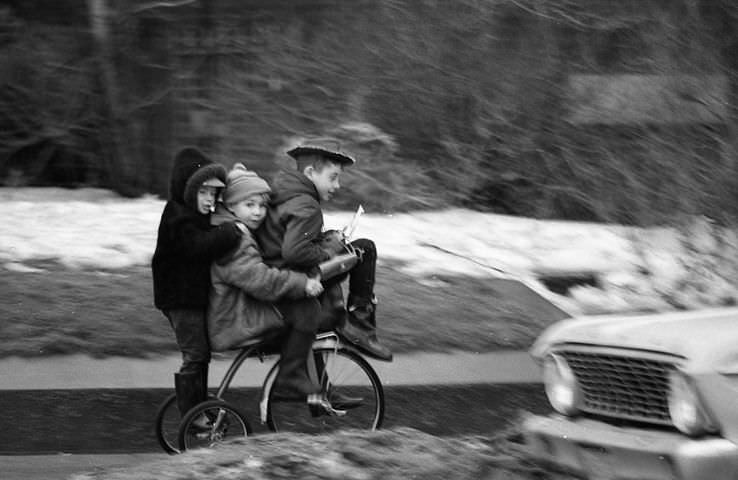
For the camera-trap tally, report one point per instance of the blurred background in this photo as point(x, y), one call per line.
point(573, 109)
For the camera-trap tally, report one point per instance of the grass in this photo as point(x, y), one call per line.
point(63, 311)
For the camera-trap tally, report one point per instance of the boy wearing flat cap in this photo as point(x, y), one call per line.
point(292, 235)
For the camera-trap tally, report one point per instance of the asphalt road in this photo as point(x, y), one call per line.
point(114, 421)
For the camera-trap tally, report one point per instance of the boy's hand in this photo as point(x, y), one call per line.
point(313, 287)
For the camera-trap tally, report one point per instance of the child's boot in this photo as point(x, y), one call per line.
point(341, 401)
point(360, 328)
point(204, 374)
point(189, 389)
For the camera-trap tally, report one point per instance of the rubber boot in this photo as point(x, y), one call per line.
point(293, 382)
point(204, 373)
point(189, 388)
point(360, 328)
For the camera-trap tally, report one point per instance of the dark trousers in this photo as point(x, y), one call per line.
point(192, 338)
point(302, 315)
point(361, 277)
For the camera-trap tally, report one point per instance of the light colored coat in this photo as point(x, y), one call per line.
point(241, 310)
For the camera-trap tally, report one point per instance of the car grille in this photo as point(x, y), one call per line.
point(623, 386)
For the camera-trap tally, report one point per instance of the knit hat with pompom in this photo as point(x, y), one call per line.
point(242, 183)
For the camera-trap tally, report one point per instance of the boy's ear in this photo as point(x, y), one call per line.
point(308, 170)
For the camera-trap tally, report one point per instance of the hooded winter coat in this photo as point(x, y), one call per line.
point(186, 244)
point(240, 310)
point(291, 233)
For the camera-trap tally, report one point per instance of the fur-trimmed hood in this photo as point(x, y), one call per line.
point(192, 168)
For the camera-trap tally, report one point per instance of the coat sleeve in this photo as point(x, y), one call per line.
point(301, 243)
point(246, 270)
point(208, 244)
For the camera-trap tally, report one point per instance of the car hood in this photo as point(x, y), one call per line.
point(705, 338)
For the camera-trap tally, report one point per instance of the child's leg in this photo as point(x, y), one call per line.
point(332, 306)
point(192, 338)
point(293, 381)
point(361, 328)
point(361, 277)
point(191, 380)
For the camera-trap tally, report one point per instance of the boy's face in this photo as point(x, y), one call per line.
point(251, 210)
point(325, 179)
point(206, 197)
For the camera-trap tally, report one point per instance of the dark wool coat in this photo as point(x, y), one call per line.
point(290, 236)
point(240, 310)
point(186, 244)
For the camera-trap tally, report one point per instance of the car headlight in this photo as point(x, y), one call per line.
point(562, 388)
point(685, 408)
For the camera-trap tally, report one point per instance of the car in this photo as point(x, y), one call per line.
point(644, 396)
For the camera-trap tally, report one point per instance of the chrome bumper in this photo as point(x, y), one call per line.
point(605, 452)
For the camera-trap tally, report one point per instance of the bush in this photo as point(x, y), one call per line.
point(481, 104)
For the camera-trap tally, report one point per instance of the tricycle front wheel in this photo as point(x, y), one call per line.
point(210, 423)
point(166, 425)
